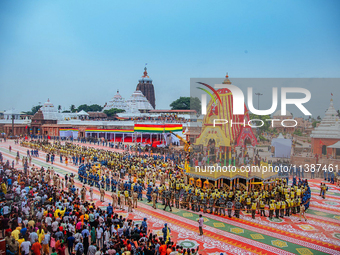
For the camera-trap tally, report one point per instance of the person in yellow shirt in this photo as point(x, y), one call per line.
point(20, 241)
point(283, 207)
point(4, 188)
point(41, 234)
point(126, 194)
point(16, 233)
point(277, 208)
point(253, 209)
point(262, 206)
point(248, 203)
point(58, 211)
point(298, 192)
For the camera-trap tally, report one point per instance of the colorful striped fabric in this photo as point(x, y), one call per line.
point(165, 128)
point(110, 130)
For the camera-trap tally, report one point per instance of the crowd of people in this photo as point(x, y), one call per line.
point(44, 213)
point(105, 171)
point(39, 217)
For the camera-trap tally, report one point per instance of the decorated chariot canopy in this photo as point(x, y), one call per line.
point(220, 109)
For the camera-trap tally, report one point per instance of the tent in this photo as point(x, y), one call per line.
point(282, 146)
point(82, 113)
point(171, 138)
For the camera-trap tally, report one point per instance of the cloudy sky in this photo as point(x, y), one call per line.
point(76, 52)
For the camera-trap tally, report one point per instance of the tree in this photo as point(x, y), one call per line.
point(90, 108)
point(72, 108)
point(195, 104)
point(298, 132)
point(113, 112)
point(95, 108)
point(314, 123)
point(266, 124)
point(183, 103)
point(59, 107)
point(186, 103)
point(34, 109)
point(83, 107)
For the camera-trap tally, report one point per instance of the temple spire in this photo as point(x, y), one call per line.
point(226, 80)
point(145, 73)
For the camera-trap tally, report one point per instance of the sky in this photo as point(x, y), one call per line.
point(322, 91)
point(82, 51)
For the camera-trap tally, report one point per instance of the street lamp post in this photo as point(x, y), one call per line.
point(258, 100)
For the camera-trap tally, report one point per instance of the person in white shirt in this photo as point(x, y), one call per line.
point(33, 237)
point(40, 214)
point(106, 236)
point(174, 252)
point(26, 210)
point(55, 226)
point(18, 190)
point(99, 233)
point(6, 210)
point(23, 203)
point(23, 192)
point(48, 221)
point(101, 220)
point(25, 247)
point(25, 221)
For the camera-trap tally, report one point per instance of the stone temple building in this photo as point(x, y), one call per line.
point(327, 133)
point(145, 85)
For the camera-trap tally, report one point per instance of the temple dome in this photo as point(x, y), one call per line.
point(138, 102)
point(116, 102)
point(329, 126)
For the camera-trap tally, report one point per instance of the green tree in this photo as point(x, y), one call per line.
point(266, 124)
point(72, 108)
point(182, 103)
point(186, 103)
point(195, 104)
point(90, 108)
point(33, 110)
point(298, 132)
point(83, 107)
point(113, 112)
point(95, 108)
point(314, 123)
